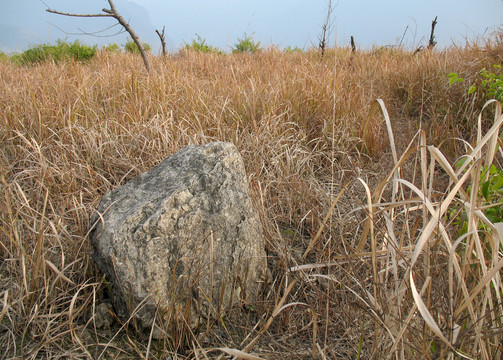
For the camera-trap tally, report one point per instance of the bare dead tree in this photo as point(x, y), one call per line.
point(112, 12)
point(163, 40)
point(432, 41)
point(326, 29)
point(353, 45)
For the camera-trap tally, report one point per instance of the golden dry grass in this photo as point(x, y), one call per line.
point(376, 272)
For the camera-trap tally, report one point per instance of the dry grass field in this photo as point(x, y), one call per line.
point(362, 208)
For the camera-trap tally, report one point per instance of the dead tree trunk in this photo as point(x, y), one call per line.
point(432, 42)
point(112, 12)
point(163, 40)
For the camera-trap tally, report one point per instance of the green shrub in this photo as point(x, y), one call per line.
point(112, 47)
point(291, 50)
point(3, 56)
point(16, 58)
point(492, 83)
point(200, 45)
point(62, 51)
point(131, 47)
point(491, 191)
point(246, 45)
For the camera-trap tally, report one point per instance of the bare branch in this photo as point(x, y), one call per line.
point(131, 32)
point(112, 12)
point(95, 34)
point(326, 28)
point(163, 40)
point(112, 6)
point(77, 15)
point(403, 36)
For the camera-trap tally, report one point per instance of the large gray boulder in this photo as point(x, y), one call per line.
point(183, 235)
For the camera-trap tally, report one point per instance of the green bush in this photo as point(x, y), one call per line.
point(112, 48)
point(62, 51)
point(492, 83)
point(291, 50)
point(131, 47)
point(246, 45)
point(491, 191)
point(200, 45)
point(3, 56)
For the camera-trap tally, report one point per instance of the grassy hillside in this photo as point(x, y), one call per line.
point(364, 263)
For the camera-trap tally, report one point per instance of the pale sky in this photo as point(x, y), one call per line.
point(279, 22)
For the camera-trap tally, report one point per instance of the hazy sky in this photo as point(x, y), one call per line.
point(280, 22)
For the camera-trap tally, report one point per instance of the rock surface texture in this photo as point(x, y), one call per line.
point(179, 235)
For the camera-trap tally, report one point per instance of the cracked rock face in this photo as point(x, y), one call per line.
point(181, 235)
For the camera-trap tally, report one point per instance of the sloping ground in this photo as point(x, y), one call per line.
point(309, 129)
